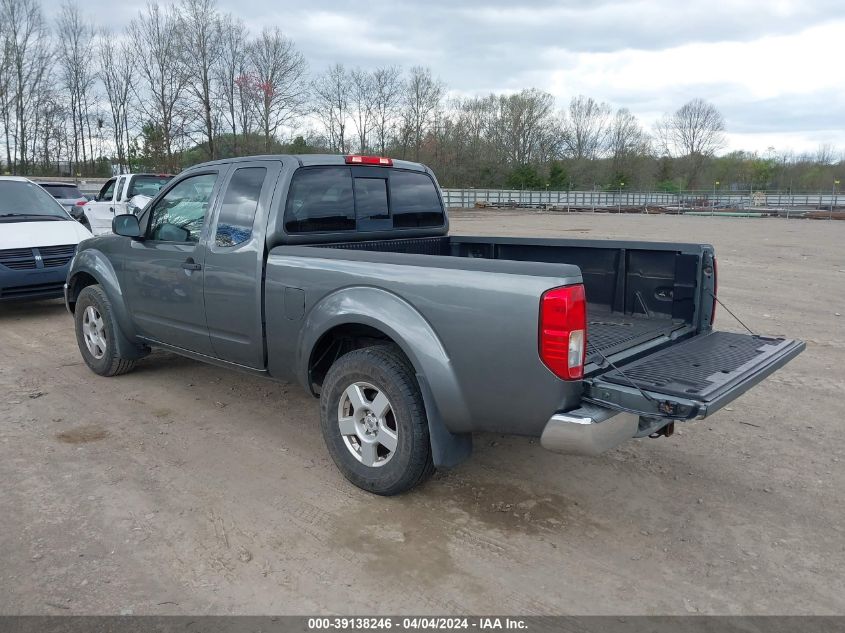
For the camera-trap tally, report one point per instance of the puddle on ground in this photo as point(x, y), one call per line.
point(448, 515)
point(82, 434)
point(384, 536)
point(504, 506)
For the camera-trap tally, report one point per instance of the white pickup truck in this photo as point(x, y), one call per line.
point(115, 196)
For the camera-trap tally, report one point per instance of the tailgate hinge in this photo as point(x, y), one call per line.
point(633, 400)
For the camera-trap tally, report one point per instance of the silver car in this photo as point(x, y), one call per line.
point(68, 195)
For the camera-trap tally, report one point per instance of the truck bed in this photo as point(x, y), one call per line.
point(639, 294)
point(609, 333)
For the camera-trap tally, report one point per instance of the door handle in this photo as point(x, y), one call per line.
point(190, 264)
point(111, 209)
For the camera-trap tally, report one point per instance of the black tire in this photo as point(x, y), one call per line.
point(387, 370)
point(111, 363)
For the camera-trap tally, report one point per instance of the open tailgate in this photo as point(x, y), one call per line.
point(693, 378)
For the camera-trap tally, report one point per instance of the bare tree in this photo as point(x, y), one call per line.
point(28, 49)
point(159, 60)
point(695, 129)
point(585, 127)
point(76, 71)
point(279, 87)
point(7, 93)
point(331, 94)
point(525, 120)
point(422, 95)
point(362, 99)
point(694, 132)
point(387, 96)
point(825, 154)
point(478, 128)
point(233, 78)
point(202, 31)
point(626, 137)
point(116, 73)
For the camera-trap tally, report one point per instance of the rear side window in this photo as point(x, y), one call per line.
point(237, 215)
point(327, 199)
point(414, 200)
point(320, 199)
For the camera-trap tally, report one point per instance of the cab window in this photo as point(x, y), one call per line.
point(329, 199)
point(107, 192)
point(414, 200)
point(180, 214)
point(320, 199)
point(237, 213)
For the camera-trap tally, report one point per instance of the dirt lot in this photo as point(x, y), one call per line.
point(183, 488)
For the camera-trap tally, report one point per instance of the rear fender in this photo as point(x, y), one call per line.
point(388, 313)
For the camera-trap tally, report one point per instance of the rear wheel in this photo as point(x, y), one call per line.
point(96, 333)
point(374, 423)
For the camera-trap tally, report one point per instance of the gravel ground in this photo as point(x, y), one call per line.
point(184, 488)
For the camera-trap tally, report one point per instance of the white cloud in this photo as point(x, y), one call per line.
point(772, 66)
point(760, 69)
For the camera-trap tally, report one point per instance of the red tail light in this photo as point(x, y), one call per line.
point(563, 331)
point(355, 159)
point(81, 203)
point(715, 292)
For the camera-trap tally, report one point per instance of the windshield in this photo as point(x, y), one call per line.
point(147, 185)
point(19, 198)
point(63, 191)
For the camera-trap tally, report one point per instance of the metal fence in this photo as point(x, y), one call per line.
point(458, 198)
point(461, 198)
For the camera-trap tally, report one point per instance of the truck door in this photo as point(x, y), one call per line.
point(234, 263)
point(100, 210)
point(164, 272)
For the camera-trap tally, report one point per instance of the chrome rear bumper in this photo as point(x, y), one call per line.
point(589, 430)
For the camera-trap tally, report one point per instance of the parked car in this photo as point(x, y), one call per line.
point(339, 273)
point(38, 238)
point(68, 195)
point(114, 197)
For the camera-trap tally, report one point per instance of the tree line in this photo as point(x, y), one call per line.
point(186, 83)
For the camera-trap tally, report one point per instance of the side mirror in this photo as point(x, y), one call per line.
point(126, 225)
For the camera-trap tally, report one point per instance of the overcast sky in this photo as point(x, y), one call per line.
point(775, 68)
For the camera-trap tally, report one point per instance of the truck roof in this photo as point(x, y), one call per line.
point(308, 160)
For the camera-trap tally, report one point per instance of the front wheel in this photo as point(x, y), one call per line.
point(96, 333)
point(374, 423)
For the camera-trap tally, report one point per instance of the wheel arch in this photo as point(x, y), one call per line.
point(366, 315)
point(91, 267)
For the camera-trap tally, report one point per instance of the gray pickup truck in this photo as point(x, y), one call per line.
point(338, 272)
